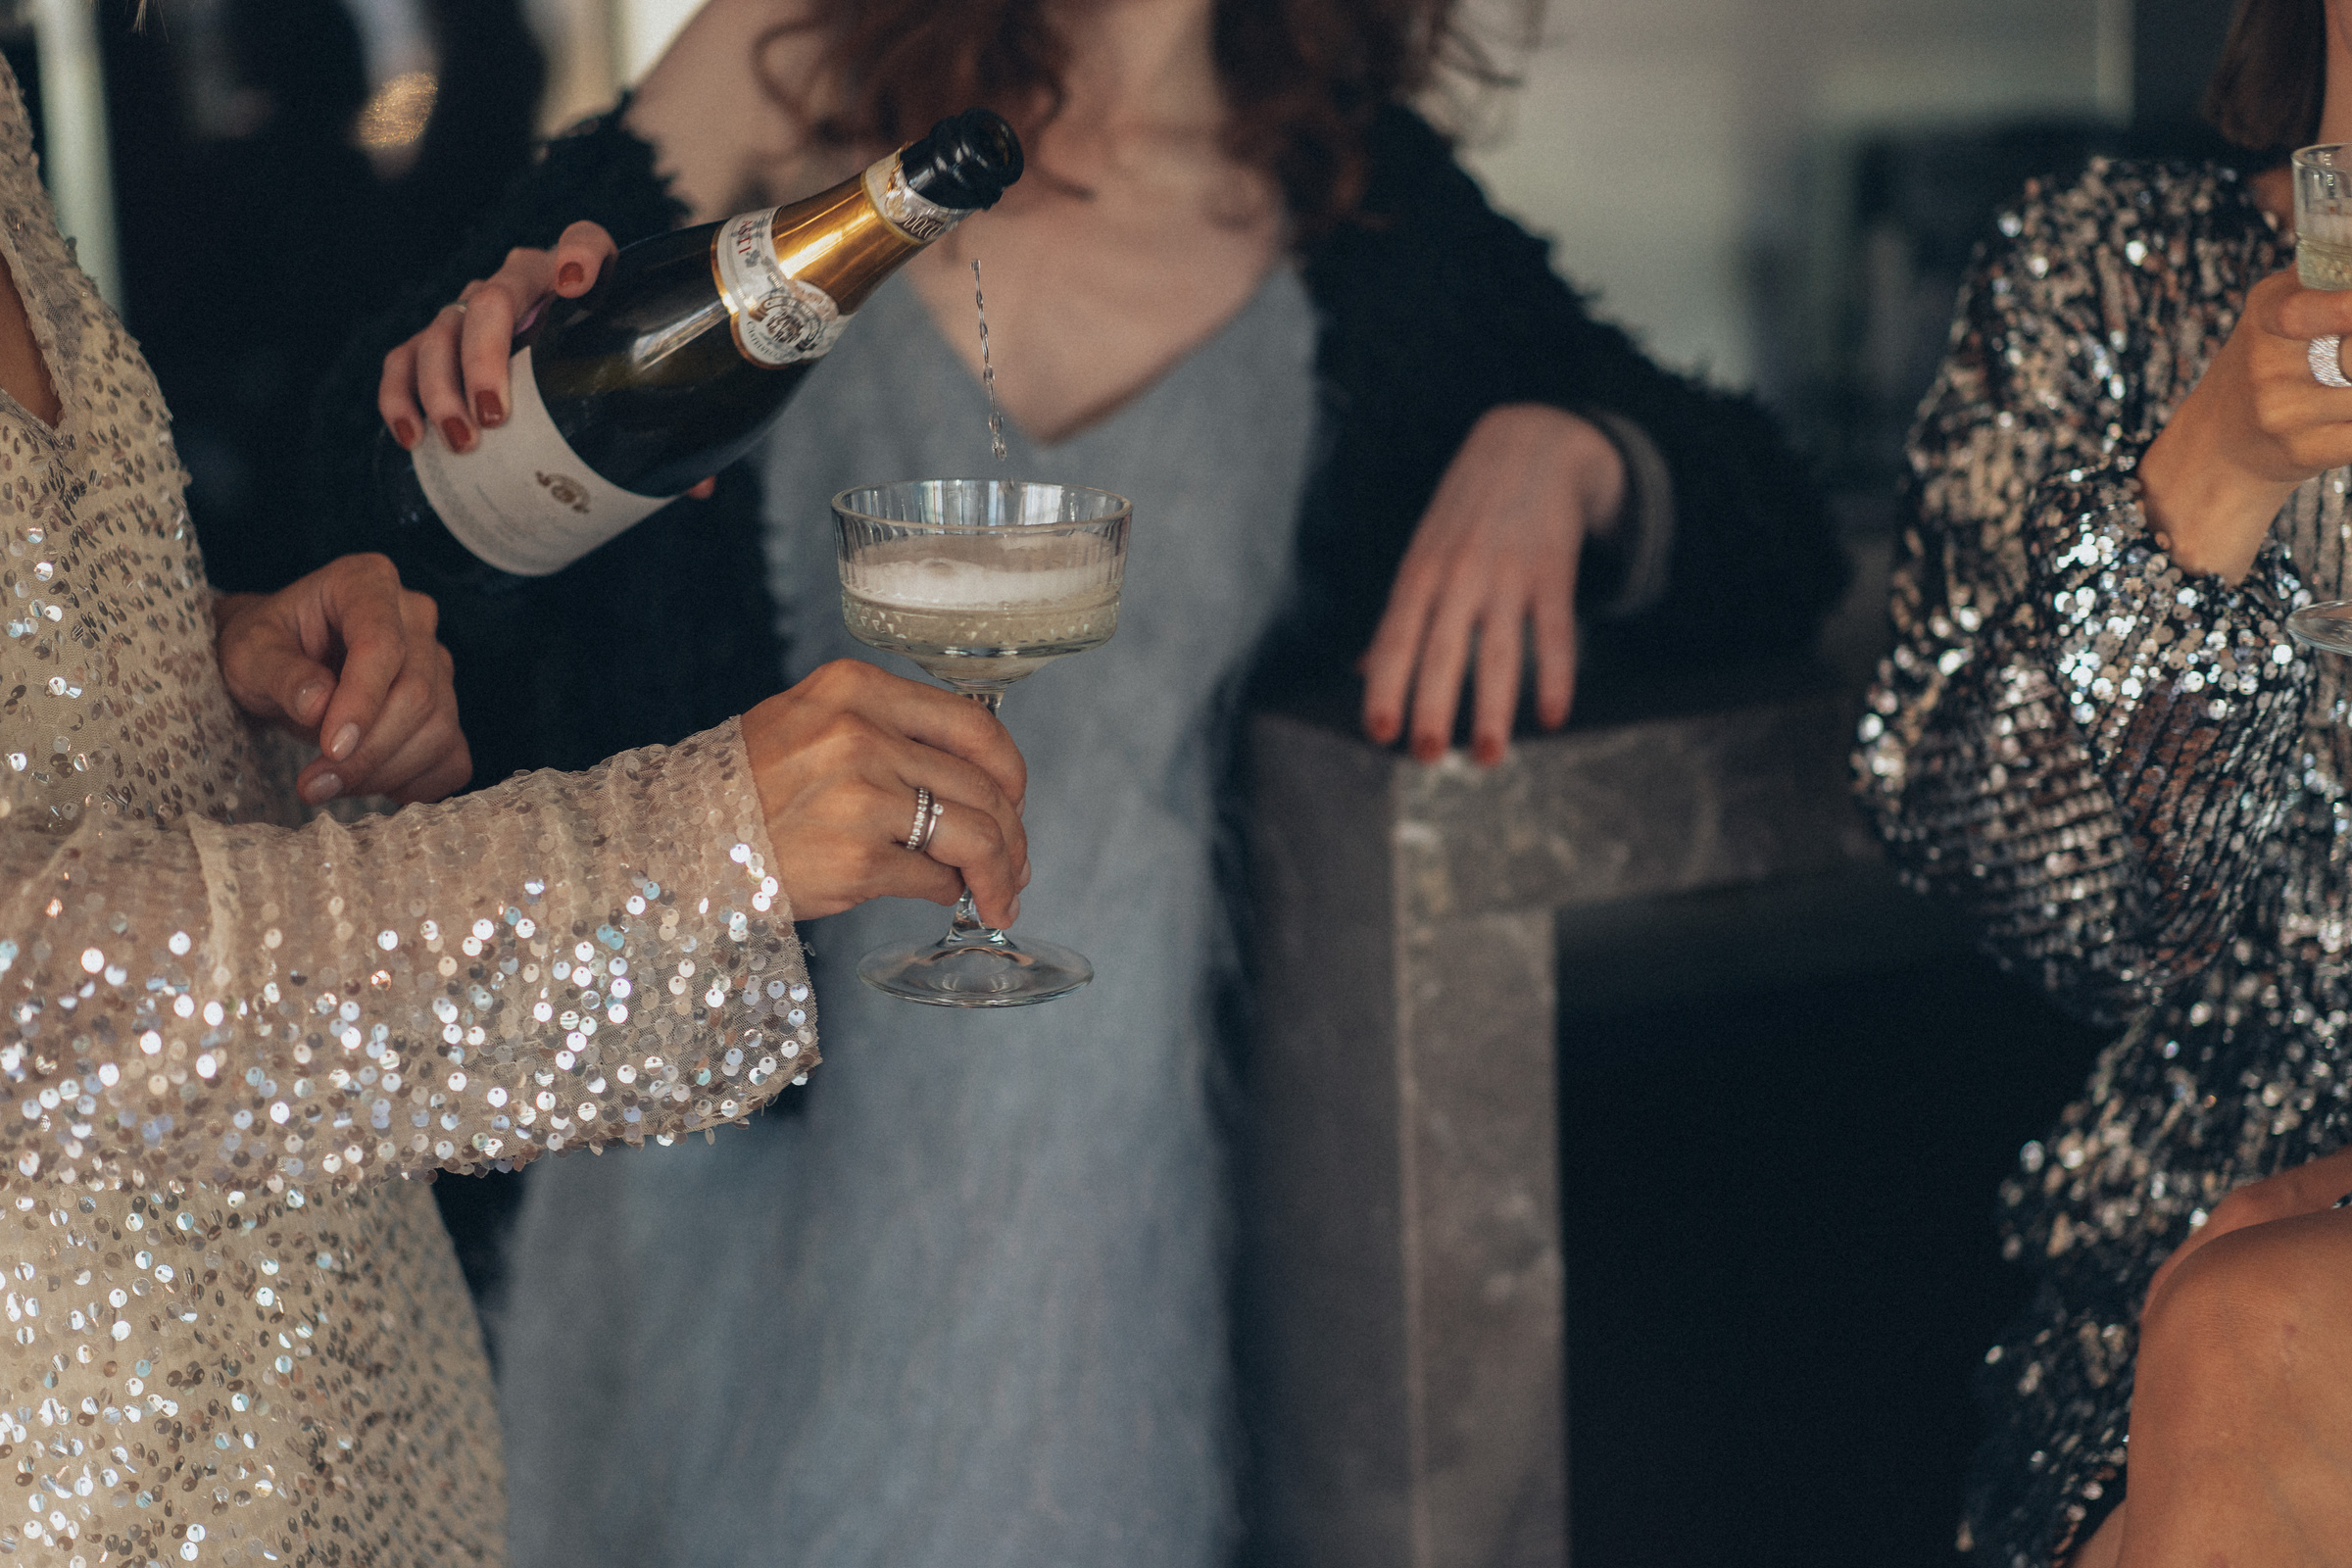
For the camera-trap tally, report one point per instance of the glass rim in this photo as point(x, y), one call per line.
point(2327, 157)
point(843, 506)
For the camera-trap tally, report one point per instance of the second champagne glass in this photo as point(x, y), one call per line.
point(981, 582)
point(2324, 260)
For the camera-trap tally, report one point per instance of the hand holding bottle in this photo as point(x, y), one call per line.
point(453, 376)
point(839, 759)
point(669, 363)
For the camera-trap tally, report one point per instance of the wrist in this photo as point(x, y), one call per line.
point(226, 607)
point(1583, 460)
point(2209, 515)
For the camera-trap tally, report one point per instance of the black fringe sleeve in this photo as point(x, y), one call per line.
point(1436, 308)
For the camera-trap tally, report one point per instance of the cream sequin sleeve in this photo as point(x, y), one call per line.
point(2078, 739)
point(565, 958)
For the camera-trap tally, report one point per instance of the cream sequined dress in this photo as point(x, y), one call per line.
point(2134, 777)
point(232, 1332)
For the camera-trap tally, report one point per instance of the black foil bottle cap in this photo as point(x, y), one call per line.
point(964, 162)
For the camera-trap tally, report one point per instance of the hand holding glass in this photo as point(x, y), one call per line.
point(2324, 260)
point(981, 582)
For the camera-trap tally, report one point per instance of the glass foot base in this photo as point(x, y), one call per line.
point(2327, 626)
point(975, 972)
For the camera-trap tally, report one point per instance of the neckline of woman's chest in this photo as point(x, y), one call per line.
point(1112, 298)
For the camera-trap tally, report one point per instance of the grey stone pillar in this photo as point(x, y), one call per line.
point(1403, 1283)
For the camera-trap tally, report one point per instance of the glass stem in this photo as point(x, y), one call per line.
point(966, 926)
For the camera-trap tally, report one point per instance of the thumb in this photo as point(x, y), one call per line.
point(272, 678)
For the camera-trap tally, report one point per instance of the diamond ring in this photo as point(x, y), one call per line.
point(2328, 363)
point(927, 812)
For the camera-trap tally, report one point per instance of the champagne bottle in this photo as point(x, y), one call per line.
point(674, 363)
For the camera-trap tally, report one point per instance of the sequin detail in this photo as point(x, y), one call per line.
point(232, 1334)
point(2131, 776)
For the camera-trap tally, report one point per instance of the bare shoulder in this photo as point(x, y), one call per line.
point(725, 106)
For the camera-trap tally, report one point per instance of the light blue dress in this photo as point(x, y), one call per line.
point(968, 1307)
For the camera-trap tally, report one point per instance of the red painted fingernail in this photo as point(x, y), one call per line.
point(486, 404)
point(569, 275)
point(453, 431)
point(1429, 750)
point(405, 433)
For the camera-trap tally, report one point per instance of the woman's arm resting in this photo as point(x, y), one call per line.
point(1495, 558)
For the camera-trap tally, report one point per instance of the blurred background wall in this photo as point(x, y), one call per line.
point(1779, 193)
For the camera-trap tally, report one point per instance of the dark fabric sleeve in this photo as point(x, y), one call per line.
point(1436, 308)
point(662, 632)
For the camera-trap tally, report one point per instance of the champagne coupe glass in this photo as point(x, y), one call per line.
point(981, 582)
point(2324, 260)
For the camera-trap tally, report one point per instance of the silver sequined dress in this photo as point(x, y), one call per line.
point(2129, 774)
point(230, 1336)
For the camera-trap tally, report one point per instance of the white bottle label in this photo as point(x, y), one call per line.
point(778, 320)
point(522, 499)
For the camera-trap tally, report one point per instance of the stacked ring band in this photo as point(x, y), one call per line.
point(2327, 355)
point(927, 812)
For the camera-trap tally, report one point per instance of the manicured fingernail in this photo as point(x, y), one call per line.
point(325, 787)
point(345, 739)
point(307, 698)
point(455, 432)
point(1014, 917)
point(1490, 753)
point(570, 274)
point(405, 433)
point(486, 404)
point(1428, 751)
point(1024, 873)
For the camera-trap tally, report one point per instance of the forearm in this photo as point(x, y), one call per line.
point(2091, 761)
point(561, 959)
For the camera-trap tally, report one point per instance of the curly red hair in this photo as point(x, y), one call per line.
point(1304, 78)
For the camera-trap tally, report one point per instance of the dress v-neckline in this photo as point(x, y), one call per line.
point(39, 327)
point(937, 333)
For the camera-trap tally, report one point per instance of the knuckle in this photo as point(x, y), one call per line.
point(833, 679)
point(849, 729)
